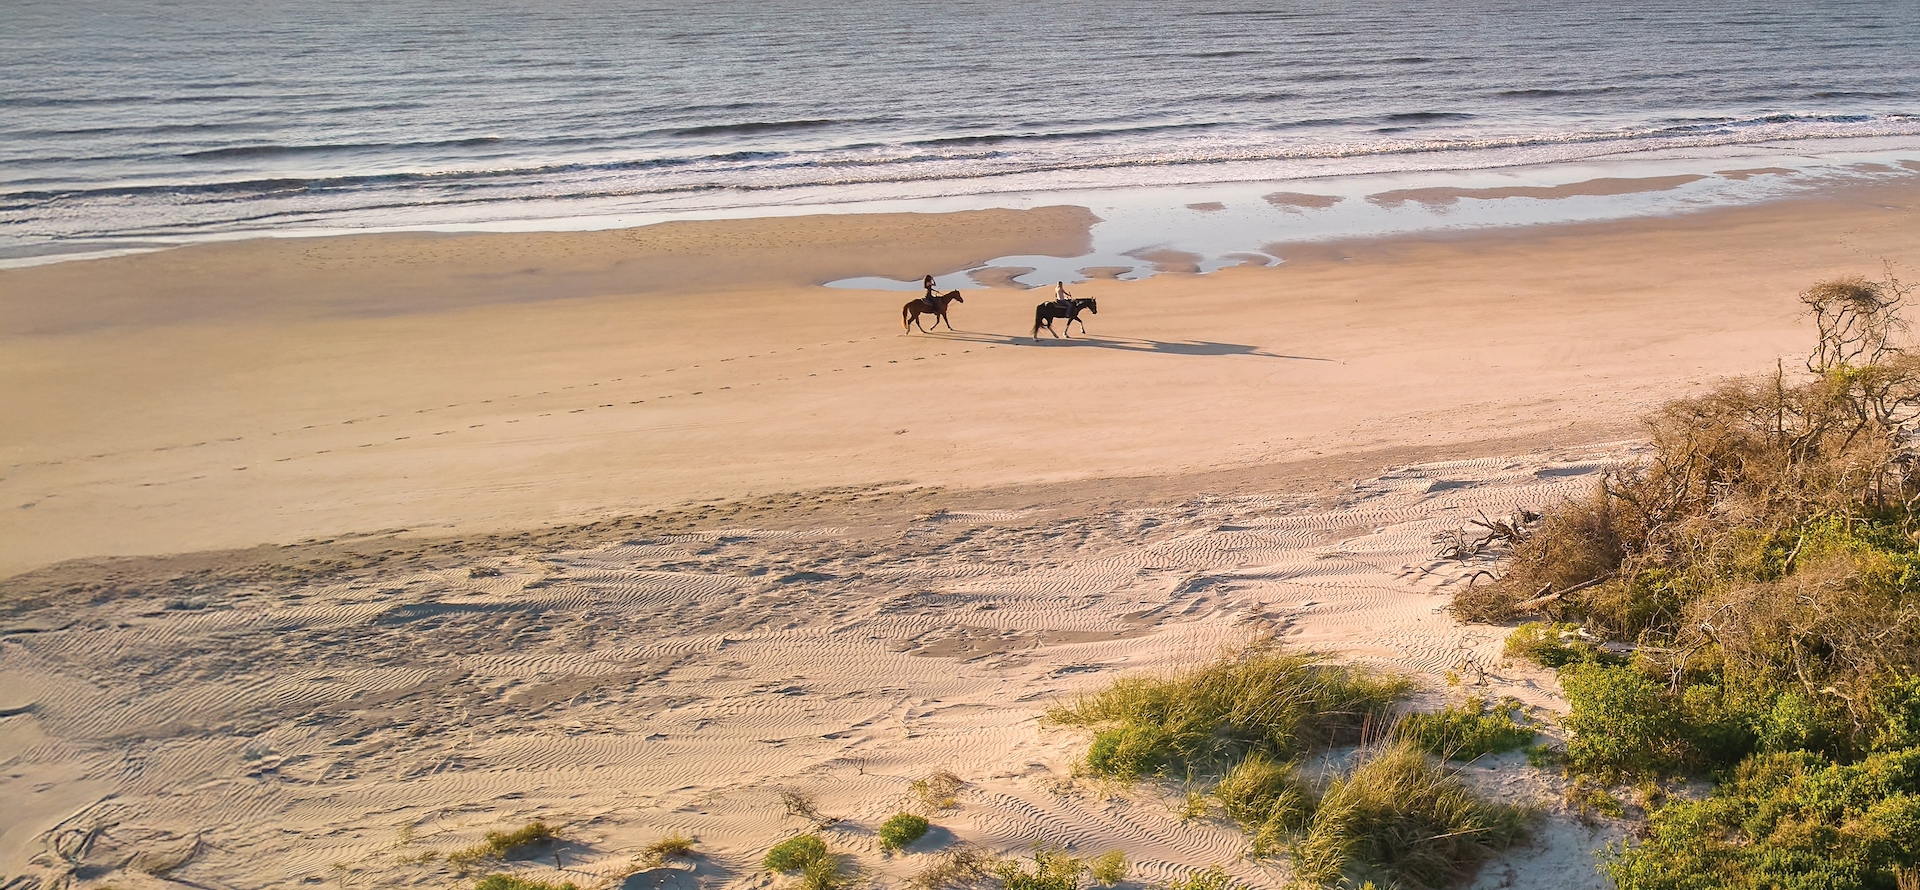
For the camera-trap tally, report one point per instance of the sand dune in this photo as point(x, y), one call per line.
point(657, 680)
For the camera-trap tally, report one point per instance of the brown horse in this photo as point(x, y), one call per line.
point(935, 306)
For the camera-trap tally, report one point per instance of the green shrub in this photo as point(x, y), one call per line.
point(1898, 709)
point(1764, 562)
point(1468, 731)
point(1108, 868)
point(1052, 870)
point(1544, 756)
point(1621, 723)
point(1787, 819)
point(1553, 645)
point(509, 882)
point(1400, 817)
point(796, 853)
point(1204, 721)
point(901, 830)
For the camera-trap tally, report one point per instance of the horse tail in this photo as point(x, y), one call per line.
point(1036, 321)
point(903, 317)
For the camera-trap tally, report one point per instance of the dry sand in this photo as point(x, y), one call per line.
point(1015, 522)
point(333, 712)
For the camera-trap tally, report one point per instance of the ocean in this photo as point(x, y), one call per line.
point(135, 122)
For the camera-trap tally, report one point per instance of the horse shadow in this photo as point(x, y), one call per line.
point(1130, 344)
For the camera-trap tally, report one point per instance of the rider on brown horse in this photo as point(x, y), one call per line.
point(932, 304)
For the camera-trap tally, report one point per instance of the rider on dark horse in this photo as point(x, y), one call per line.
point(927, 283)
point(1061, 298)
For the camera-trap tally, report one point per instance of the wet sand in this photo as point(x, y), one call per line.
point(270, 391)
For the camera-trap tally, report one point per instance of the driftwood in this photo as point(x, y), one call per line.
point(1548, 596)
point(1495, 535)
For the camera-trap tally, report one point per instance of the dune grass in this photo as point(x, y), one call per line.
point(1109, 868)
point(1399, 817)
point(1762, 566)
point(808, 856)
point(675, 844)
point(1268, 799)
point(510, 882)
point(1467, 731)
point(1213, 877)
point(506, 845)
point(1244, 721)
point(1262, 700)
point(825, 873)
point(1050, 870)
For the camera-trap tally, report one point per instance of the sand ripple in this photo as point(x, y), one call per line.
point(678, 683)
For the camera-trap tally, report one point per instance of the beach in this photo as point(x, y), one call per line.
point(328, 554)
point(487, 445)
point(274, 390)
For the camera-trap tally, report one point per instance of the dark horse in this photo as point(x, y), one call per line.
point(1045, 313)
point(935, 306)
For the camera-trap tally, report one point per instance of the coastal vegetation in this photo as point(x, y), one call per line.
point(506, 844)
point(1109, 868)
point(1468, 731)
point(1212, 877)
point(807, 856)
point(794, 853)
point(958, 866)
point(1047, 870)
point(1743, 606)
point(937, 791)
point(675, 844)
point(513, 882)
point(1245, 722)
point(1401, 818)
point(900, 830)
point(1263, 701)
